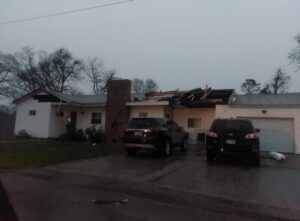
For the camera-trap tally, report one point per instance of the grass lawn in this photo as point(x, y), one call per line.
point(36, 153)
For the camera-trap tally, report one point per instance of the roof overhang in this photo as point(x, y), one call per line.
point(148, 103)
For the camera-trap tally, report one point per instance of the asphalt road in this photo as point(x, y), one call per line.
point(182, 187)
point(53, 196)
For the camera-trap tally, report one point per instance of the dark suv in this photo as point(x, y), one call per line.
point(233, 137)
point(156, 134)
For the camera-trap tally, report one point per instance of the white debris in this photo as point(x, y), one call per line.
point(276, 156)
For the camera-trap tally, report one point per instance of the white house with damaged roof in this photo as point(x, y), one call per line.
point(45, 113)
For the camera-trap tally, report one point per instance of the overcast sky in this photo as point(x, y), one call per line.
point(179, 43)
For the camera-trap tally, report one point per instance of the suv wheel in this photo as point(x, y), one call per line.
point(256, 160)
point(184, 145)
point(209, 156)
point(131, 152)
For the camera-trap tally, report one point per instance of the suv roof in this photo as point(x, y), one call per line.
point(142, 123)
point(229, 124)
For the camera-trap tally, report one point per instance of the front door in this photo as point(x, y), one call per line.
point(73, 117)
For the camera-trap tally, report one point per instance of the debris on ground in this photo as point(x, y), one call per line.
point(277, 156)
point(114, 202)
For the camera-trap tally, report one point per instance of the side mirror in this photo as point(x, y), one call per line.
point(257, 130)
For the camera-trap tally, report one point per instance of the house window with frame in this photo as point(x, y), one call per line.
point(143, 114)
point(96, 118)
point(32, 112)
point(194, 122)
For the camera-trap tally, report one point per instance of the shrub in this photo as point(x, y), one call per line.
point(95, 135)
point(73, 135)
point(22, 134)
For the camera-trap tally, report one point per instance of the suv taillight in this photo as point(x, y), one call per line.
point(251, 136)
point(212, 134)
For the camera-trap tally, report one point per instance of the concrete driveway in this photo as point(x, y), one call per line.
point(185, 179)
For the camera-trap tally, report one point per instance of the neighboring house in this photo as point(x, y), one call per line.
point(46, 114)
point(276, 115)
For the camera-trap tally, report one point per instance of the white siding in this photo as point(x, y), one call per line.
point(84, 116)
point(225, 111)
point(36, 126)
point(57, 124)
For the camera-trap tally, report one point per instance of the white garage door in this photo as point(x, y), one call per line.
point(277, 134)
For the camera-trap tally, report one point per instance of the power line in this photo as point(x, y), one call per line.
point(63, 13)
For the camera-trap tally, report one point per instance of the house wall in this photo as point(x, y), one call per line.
point(38, 125)
point(83, 121)
point(225, 111)
point(153, 111)
point(181, 116)
point(207, 115)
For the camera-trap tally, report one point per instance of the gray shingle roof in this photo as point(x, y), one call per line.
point(266, 99)
point(90, 99)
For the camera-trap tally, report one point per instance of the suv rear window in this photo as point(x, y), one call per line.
point(232, 125)
point(142, 123)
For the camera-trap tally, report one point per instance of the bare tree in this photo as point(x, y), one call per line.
point(22, 72)
point(65, 68)
point(278, 84)
point(250, 86)
point(137, 86)
point(140, 87)
point(98, 75)
point(294, 55)
point(150, 85)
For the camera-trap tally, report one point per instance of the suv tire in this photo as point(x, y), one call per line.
point(256, 160)
point(131, 152)
point(209, 156)
point(184, 145)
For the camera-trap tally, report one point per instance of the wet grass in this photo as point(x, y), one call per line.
point(38, 153)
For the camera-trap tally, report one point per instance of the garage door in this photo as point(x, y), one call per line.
point(277, 134)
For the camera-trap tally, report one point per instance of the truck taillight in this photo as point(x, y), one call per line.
point(251, 136)
point(212, 134)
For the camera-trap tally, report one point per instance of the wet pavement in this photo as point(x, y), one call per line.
point(158, 189)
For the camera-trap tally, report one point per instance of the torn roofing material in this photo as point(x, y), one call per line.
point(289, 99)
point(205, 98)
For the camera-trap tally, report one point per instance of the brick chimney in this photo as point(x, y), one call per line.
point(118, 93)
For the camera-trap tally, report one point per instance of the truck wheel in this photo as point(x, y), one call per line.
point(131, 152)
point(184, 145)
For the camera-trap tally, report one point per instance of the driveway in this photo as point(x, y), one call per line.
point(185, 179)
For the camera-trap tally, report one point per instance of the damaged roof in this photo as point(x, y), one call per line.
point(266, 99)
point(205, 98)
point(43, 95)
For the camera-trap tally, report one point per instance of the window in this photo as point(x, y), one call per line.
point(32, 112)
point(143, 114)
point(194, 122)
point(96, 118)
point(59, 114)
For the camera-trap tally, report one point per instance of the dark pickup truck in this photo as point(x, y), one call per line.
point(156, 134)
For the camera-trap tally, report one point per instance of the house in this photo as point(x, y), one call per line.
point(46, 113)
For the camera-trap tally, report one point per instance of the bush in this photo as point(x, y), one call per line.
point(73, 135)
point(22, 134)
point(95, 135)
